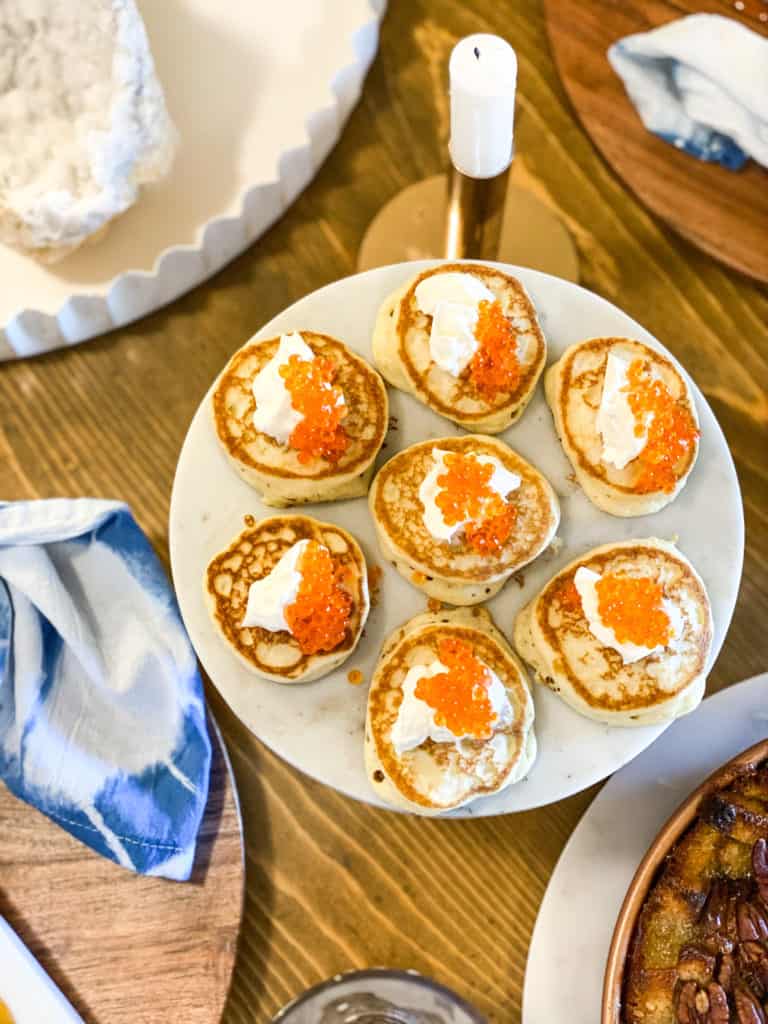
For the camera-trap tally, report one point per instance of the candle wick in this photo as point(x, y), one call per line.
point(477, 53)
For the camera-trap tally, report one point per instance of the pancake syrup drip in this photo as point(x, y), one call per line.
point(671, 429)
point(313, 393)
point(459, 697)
point(319, 616)
point(494, 368)
point(466, 493)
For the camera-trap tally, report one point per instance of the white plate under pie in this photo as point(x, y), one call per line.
point(318, 727)
point(566, 959)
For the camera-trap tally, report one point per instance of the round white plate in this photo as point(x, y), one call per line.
point(259, 92)
point(319, 727)
point(573, 932)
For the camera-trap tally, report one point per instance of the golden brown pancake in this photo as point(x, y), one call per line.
point(552, 634)
point(401, 353)
point(274, 469)
point(574, 386)
point(436, 777)
point(453, 571)
point(253, 555)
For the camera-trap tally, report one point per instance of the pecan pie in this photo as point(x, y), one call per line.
point(699, 954)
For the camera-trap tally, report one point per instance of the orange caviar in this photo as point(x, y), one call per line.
point(319, 616)
point(568, 596)
point(671, 431)
point(466, 493)
point(632, 607)
point(459, 696)
point(355, 677)
point(320, 434)
point(494, 366)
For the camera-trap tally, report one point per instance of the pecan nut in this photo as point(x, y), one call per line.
point(715, 909)
point(751, 922)
point(725, 971)
point(760, 868)
point(753, 966)
point(748, 1010)
point(697, 1005)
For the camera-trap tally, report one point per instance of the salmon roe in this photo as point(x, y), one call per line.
point(568, 596)
point(494, 367)
point(466, 493)
point(671, 431)
point(320, 434)
point(459, 697)
point(319, 616)
point(632, 607)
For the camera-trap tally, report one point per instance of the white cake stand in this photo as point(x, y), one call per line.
point(318, 727)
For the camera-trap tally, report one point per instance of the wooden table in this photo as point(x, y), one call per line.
point(333, 884)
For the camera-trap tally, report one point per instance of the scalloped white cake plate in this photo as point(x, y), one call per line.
point(318, 727)
point(566, 959)
point(260, 93)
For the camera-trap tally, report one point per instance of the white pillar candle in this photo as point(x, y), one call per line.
point(483, 74)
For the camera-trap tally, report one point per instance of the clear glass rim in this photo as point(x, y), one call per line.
point(373, 973)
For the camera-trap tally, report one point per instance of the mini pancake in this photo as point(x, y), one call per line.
point(274, 469)
point(553, 635)
point(253, 555)
point(453, 571)
point(574, 387)
point(401, 352)
point(438, 777)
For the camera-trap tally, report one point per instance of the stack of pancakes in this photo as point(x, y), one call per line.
point(274, 469)
point(553, 636)
point(454, 572)
point(436, 777)
point(251, 556)
point(401, 352)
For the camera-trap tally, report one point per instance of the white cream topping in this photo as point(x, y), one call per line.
point(615, 420)
point(274, 414)
point(452, 300)
point(272, 594)
point(503, 482)
point(585, 581)
point(415, 722)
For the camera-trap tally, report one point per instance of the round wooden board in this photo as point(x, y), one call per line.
point(126, 949)
point(723, 212)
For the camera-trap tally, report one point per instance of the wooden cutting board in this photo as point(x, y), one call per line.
point(122, 948)
point(723, 212)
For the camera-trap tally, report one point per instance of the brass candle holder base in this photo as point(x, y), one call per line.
point(421, 223)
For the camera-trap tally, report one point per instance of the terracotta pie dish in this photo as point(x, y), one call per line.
point(691, 939)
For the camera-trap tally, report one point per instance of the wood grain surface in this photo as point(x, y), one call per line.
point(724, 212)
point(125, 949)
point(332, 884)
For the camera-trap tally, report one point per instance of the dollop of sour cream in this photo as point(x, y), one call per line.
point(452, 300)
point(272, 594)
point(415, 722)
point(274, 414)
point(615, 420)
point(503, 482)
point(585, 581)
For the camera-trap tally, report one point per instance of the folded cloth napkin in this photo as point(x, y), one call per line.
point(701, 83)
point(102, 718)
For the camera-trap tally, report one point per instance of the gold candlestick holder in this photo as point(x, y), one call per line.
point(458, 217)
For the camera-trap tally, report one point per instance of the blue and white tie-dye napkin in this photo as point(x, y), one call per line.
point(700, 83)
point(102, 718)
